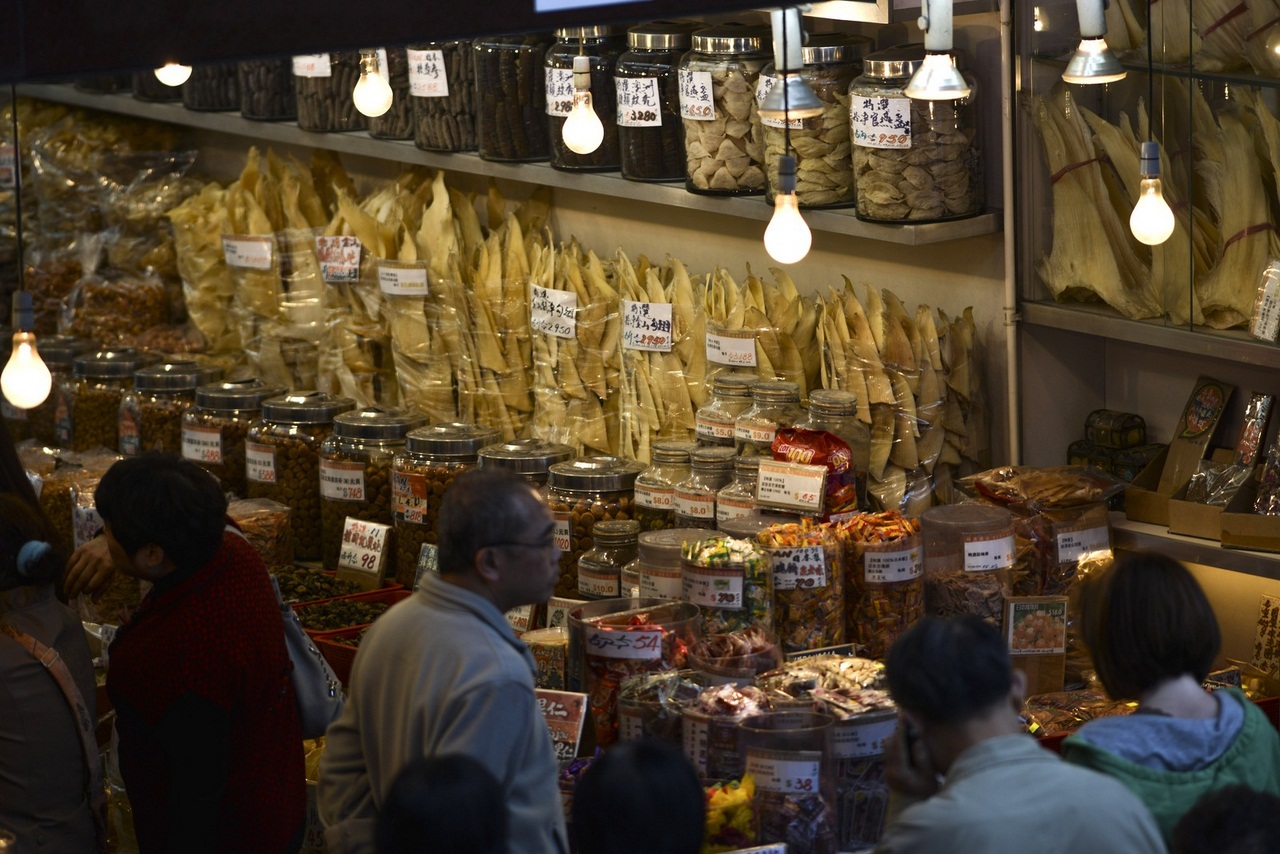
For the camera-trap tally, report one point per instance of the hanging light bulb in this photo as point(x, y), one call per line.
point(787, 239)
point(25, 380)
point(372, 95)
point(1152, 219)
point(173, 74)
point(937, 78)
point(1273, 42)
point(1093, 62)
point(582, 131)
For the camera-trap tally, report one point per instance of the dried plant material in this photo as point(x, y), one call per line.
point(726, 154)
point(1222, 29)
point(1169, 24)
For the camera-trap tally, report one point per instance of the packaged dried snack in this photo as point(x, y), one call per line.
point(265, 524)
point(884, 566)
point(808, 584)
point(730, 580)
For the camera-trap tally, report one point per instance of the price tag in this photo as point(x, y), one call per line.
point(564, 713)
point(341, 481)
point(553, 312)
point(246, 252)
point(339, 257)
point(856, 741)
point(791, 486)
point(1074, 544)
point(712, 587)
point(653, 498)
point(661, 585)
point(886, 563)
point(558, 609)
point(697, 95)
point(85, 524)
point(599, 585)
point(312, 65)
point(639, 104)
point(713, 430)
point(639, 644)
point(427, 76)
point(559, 91)
point(792, 772)
point(695, 505)
point(409, 496)
point(646, 326)
point(1265, 323)
point(984, 554)
point(1036, 625)
point(259, 463)
point(562, 532)
point(364, 546)
point(127, 429)
point(880, 122)
point(202, 444)
point(428, 562)
point(763, 86)
point(776, 848)
point(7, 168)
point(403, 278)
point(755, 433)
point(520, 618)
point(804, 567)
point(732, 348)
point(728, 509)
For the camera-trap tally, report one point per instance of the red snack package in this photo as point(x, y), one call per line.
point(820, 448)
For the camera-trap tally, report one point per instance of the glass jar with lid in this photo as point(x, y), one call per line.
point(730, 581)
point(913, 160)
point(737, 500)
point(267, 92)
point(820, 144)
point(723, 138)
point(836, 412)
point(93, 395)
point(529, 458)
point(214, 430)
point(212, 87)
point(656, 568)
point(442, 93)
point(147, 87)
point(730, 397)
point(282, 459)
point(773, 405)
point(58, 352)
point(397, 122)
point(323, 83)
point(602, 45)
point(600, 570)
point(656, 485)
point(580, 493)
point(355, 472)
point(150, 415)
point(511, 97)
point(650, 131)
point(432, 457)
point(711, 469)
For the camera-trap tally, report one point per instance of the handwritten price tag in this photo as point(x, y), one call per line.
point(202, 444)
point(639, 105)
point(732, 348)
point(886, 563)
point(789, 773)
point(553, 312)
point(804, 567)
point(559, 91)
point(247, 252)
point(403, 278)
point(985, 554)
point(427, 76)
point(647, 326)
point(259, 463)
point(880, 122)
point(341, 481)
point(763, 85)
point(312, 65)
point(712, 587)
point(791, 486)
point(364, 546)
point(339, 257)
point(409, 496)
point(558, 610)
point(428, 562)
point(632, 644)
point(520, 618)
point(564, 713)
point(697, 98)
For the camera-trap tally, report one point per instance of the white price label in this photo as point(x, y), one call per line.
point(427, 76)
point(787, 772)
point(763, 85)
point(403, 278)
point(559, 91)
point(737, 350)
point(520, 618)
point(803, 567)
point(600, 585)
point(857, 741)
point(246, 252)
point(409, 496)
point(553, 312)
point(364, 546)
point(639, 104)
point(1265, 323)
point(710, 428)
point(728, 509)
point(562, 532)
point(985, 554)
point(85, 524)
point(713, 587)
point(341, 481)
point(1074, 544)
point(428, 563)
point(792, 486)
point(7, 168)
point(312, 65)
point(646, 326)
point(754, 432)
point(661, 585)
point(202, 444)
point(633, 644)
point(695, 505)
point(653, 498)
point(887, 563)
point(339, 257)
point(880, 122)
point(697, 95)
point(259, 463)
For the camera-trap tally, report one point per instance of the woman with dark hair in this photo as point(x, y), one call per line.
point(48, 755)
point(443, 805)
point(1153, 637)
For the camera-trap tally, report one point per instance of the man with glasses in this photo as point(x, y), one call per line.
point(442, 673)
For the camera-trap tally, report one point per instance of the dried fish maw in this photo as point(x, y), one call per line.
point(889, 490)
point(875, 315)
point(882, 430)
point(919, 494)
point(856, 381)
point(904, 452)
point(930, 445)
point(1124, 30)
point(1175, 40)
point(1222, 32)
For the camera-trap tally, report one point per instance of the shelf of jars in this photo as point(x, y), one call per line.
point(1133, 536)
point(840, 221)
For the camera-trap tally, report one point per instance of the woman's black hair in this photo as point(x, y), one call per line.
point(443, 805)
point(21, 525)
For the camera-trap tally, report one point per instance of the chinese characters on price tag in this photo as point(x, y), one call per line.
point(880, 122)
point(889, 563)
point(985, 554)
point(339, 257)
point(696, 95)
point(553, 312)
point(1075, 542)
point(647, 326)
point(202, 444)
point(791, 486)
point(805, 566)
point(564, 712)
point(857, 741)
point(713, 587)
point(638, 102)
point(1265, 323)
point(428, 562)
point(732, 348)
point(427, 76)
point(341, 481)
point(247, 252)
point(403, 278)
point(260, 462)
point(363, 551)
point(559, 91)
point(787, 772)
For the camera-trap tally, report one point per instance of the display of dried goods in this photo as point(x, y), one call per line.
point(731, 581)
point(724, 146)
point(577, 515)
point(805, 822)
point(1034, 489)
point(885, 595)
point(339, 614)
point(212, 87)
point(267, 90)
point(1065, 711)
point(710, 727)
point(76, 473)
point(735, 656)
point(265, 524)
point(602, 47)
point(840, 679)
point(198, 225)
point(95, 415)
point(343, 469)
point(324, 101)
point(300, 584)
point(651, 705)
point(1215, 483)
point(808, 584)
point(442, 92)
point(937, 178)
point(147, 87)
point(980, 594)
point(397, 122)
point(114, 311)
point(511, 84)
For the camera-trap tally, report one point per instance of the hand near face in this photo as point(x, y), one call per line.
point(89, 569)
point(908, 766)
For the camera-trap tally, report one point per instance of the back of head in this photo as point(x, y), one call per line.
point(949, 671)
point(639, 796)
point(480, 507)
point(166, 500)
point(1231, 820)
point(443, 805)
point(1146, 620)
point(26, 556)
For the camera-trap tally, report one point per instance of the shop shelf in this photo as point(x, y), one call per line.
point(1129, 536)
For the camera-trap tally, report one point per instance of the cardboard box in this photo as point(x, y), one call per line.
point(1194, 519)
point(1142, 503)
point(1244, 529)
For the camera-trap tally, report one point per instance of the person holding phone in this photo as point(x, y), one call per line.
point(963, 773)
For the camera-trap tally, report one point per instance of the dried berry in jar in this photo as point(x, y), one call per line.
point(94, 397)
point(215, 429)
point(151, 412)
point(581, 493)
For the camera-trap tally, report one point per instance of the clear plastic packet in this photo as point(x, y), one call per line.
point(1214, 483)
point(265, 524)
point(1066, 711)
point(809, 584)
point(1036, 489)
point(1267, 501)
point(75, 471)
point(110, 306)
point(198, 225)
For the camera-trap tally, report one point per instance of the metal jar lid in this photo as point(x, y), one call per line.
point(661, 35)
point(174, 376)
point(662, 548)
point(776, 392)
point(595, 474)
point(835, 47)
point(732, 38)
point(59, 351)
point(734, 384)
point(615, 532)
point(745, 527)
point(748, 464)
point(241, 395)
point(307, 407)
point(376, 423)
point(672, 451)
point(450, 439)
point(713, 459)
point(894, 62)
point(598, 31)
point(525, 456)
point(830, 401)
point(108, 364)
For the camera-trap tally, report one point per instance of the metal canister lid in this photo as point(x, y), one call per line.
point(598, 31)
point(747, 464)
point(450, 439)
point(894, 62)
point(835, 47)
point(525, 456)
point(734, 384)
point(108, 364)
point(376, 423)
point(732, 38)
point(615, 531)
point(776, 392)
point(243, 395)
point(713, 459)
point(595, 474)
point(306, 407)
point(745, 527)
point(673, 451)
point(662, 35)
point(662, 548)
point(830, 401)
point(59, 351)
point(174, 376)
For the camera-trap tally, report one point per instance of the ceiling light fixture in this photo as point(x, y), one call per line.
point(937, 78)
point(1093, 62)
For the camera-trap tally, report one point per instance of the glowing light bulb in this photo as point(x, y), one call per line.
point(1152, 219)
point(372, 95)
point(173, 74)
point(25, 380)
point(1273, 41)
point(787, 239)
point(583, 131)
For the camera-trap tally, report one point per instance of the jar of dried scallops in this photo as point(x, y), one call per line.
point(93, 395)
point(282, 459)
point(432, 457)
point(214, 430)
point(723, 139)
point(581, 493)
point(150, 417)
